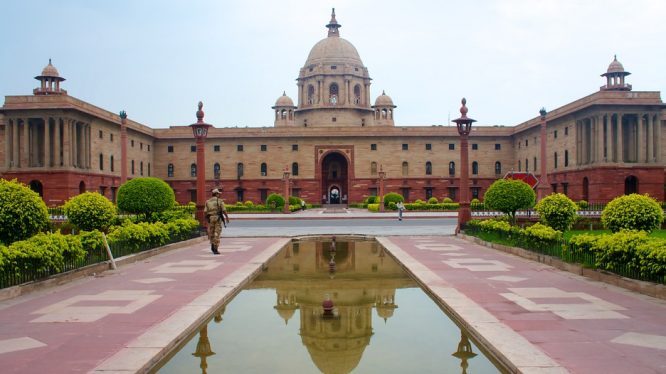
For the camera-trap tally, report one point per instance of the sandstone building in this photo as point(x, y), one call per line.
point(335, 141)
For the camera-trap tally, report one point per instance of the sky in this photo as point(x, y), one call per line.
point(156, 59)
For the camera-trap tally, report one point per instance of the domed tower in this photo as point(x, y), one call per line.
point(333, 85)
point(615, 77)
point(384, 110)
point(50, 80)
point(284, 111)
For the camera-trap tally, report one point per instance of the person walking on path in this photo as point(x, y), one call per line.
point(215, 214)
point(401, 208)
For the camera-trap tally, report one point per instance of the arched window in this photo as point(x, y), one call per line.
point(566, 158)
point(141, 167)
point(294, 169)
point(149, 169)
point(333, 93)
point(111, 163)
point(311, 94)
point(452, 168)
point(527, 165)
point(239, 170)
point(373, 168)
point(193, 170)
point(428, 168)
point(101, 161)
point(216, 170)
point(170, 170)
point(132, 167)
point(405, 168)
point(283, 114)
point(535, 164)
point(475, 168)
point(555, 160)
point(519, 168)
point(264, 169)
point(357, 94)
point(498, 167)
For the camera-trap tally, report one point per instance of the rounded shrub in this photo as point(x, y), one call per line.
point(508, 196)
point(90, 211)
point(371, 200)
point(433, 200)
point(293, 200)
point(248, 203)
point(274, 201)
point(22, 212)
point(582, 204)
point(557, 211)
point(632, 212)
point(392, 197)
point(145, 195)
point(447, 200)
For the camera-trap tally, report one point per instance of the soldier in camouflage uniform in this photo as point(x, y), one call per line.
point(215, 214)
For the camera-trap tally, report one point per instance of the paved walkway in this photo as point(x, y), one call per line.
point(540, 319)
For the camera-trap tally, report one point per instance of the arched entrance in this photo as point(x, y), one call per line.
point(37, 186)
point(630, 185)
point(334, 173)
point(82, 187)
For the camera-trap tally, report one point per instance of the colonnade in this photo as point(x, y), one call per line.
point(47, 142)
point(345, 94)
point(618, 137)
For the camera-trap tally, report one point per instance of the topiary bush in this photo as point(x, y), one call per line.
point(392, 197)
point(582, 204)
point(447, 200)
point(274, 201)
point(433, 200)
point(508, 196)
point(145, 195)
point(632, 212)
point(22, 212)
point(90, 211)
point(371, 200)
point(557, 211)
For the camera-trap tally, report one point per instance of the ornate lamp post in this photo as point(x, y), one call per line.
point(464, 352)
point(285, 178)
point(203, 350)
point(123, 147)
point(542, 190)
point(200, 132)
point(382, 175)
point(464, 125)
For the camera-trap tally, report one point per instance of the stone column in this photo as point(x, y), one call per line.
point(657, 138)
point(25, 158)
point(609, 143)
point(8, 141)
point(47, 142)
point(56, 143)
point(600, 138)
point(650, 138)
point(75, 144)
point(640, 141)
point(66, 143)
point(16, 156)
point(620, 142)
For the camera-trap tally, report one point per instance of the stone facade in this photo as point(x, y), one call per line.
point(597, 147)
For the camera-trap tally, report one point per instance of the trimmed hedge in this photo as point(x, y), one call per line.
point(145, 195)
point(557, 211)
point(44, 252)
point(90, 211)
point(22, 212)
point(632, 212)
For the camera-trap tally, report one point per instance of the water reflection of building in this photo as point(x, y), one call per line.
point(364, 279)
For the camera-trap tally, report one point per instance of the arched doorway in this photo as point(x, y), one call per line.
point(334, 173)
point(82, 187)
point(630, 185)
point(586, 189)
point(37, 186)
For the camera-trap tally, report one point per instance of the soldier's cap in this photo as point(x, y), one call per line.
point(215, 191)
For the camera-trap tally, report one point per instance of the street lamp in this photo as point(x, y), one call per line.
point(200, 132)
point(464, 125)
point(123, 147)
point(382, 175)
point(285, 178)
point(542, 190)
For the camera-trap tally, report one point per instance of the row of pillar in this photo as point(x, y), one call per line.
point(46, 142)
point(618, 137)
point(320, 91)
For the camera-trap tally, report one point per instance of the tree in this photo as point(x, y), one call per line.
point(145, 195)
point(632, 212)
point(274, 201)
point(392, 197)
point(22, 212)
point(508, 196)
point(557, 211)
point(90, 211)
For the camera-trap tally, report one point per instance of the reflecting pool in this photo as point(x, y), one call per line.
point(330, 306)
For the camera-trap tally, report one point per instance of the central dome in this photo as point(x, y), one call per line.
point(333, 50)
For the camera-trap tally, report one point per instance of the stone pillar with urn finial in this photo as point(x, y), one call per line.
point(200, 132)
point(464, 126)
point(285, 178)
point(543, 188)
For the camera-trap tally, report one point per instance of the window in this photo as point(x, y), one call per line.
point(141, 167)
point(294, 169)
point(498, 146)
point(553, 186)
point(239, 148)
point(475, 146)
point(294, 147)
point(555, 160)
point(373, 147)
point(428, 168)
point(452, 193)
point(264, 169)
point(132, 167)
point(193, 170)
point(565, 188)
point(333, 67)
point(111, 137)
point(239, 170)
point(101, 134)
point(141, 146)
point(498, 168)
point(101, 161)
point(263, 195)
point(566, 131)
point(132, 143)
point(452, 168)
point(216, 170)
point(149, 169)
point(373, 168)
point(428, 193)
point(263, 147)
point(334, 119)
point(452, 147)
point(405, 193)
point(405, 168)
point(193, 148)
point(534, 164)
point(519, 168)
point(216, 148)
point(111, 163)
point(170, 170)
point(148, 147)
point(428, 147)
point(239, 195)
point(475, 168)
point(475, 192)
point(555, 134)
point(170, 148)
point(333, 94)
point(566, 158)
point(527, 142)
point(527, 166)
point(405, 147)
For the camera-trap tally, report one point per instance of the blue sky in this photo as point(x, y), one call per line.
point(157, 59)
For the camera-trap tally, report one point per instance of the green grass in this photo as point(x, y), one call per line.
point(568, 234)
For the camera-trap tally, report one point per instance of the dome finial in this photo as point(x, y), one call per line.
point(49, 60)
point(284, 93)
point(463, 108)
point(333, 25)
point(200, 112)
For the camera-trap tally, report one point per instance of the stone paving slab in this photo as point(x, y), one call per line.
point(539, 318)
